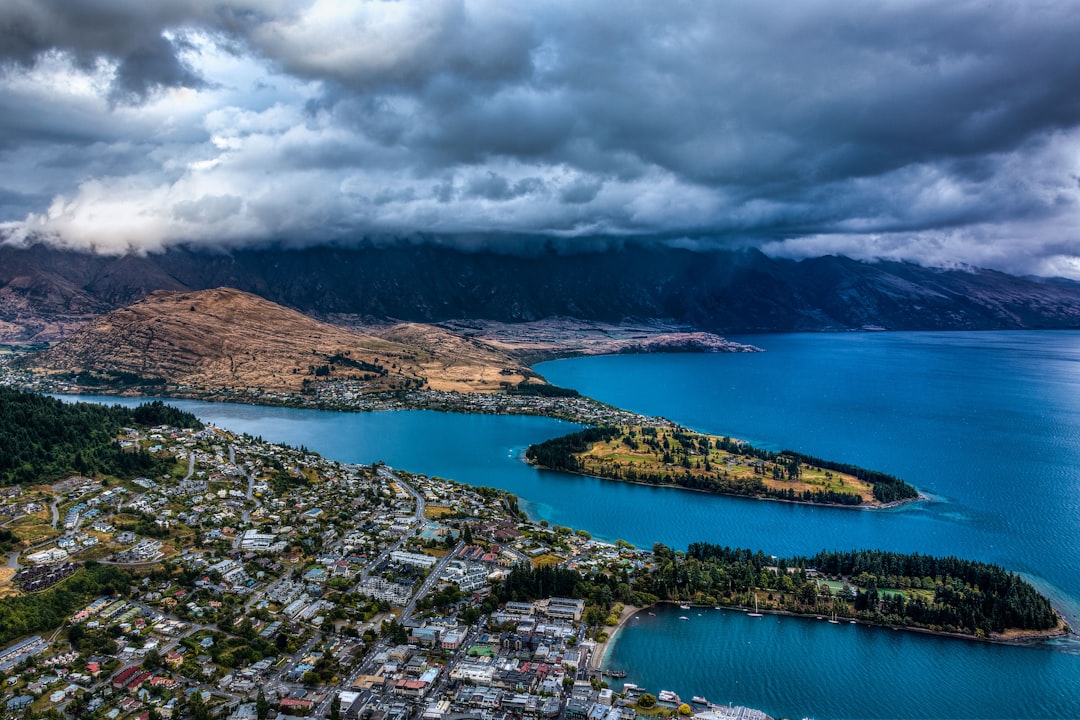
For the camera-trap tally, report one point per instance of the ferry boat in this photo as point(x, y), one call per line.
point(698, 700)
point(667, 696)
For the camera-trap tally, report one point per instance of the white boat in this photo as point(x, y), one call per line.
point(834, 621)
point(698, 700)
point(683, 617)
point(684, 606)
point(755, 613)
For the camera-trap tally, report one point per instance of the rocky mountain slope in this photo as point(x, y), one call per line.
point(228, 339)
point(45, 293)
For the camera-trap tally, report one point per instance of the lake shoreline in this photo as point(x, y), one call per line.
point(596, 657)
point(1021, 639)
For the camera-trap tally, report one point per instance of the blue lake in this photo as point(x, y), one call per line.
point(988, 424)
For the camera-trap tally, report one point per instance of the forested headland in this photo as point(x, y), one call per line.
point(947, 595)
point(43, 439)
point(684, 458)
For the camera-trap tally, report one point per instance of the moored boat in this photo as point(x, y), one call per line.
point(755, 613)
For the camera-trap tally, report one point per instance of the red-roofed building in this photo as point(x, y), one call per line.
point(124, 677)
point(138, 680)
point(410, 688)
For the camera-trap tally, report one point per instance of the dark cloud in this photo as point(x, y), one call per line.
point(917, 130)
point(152, 66)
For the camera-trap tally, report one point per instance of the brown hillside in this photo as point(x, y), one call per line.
point(229, 339)
point(450, 359)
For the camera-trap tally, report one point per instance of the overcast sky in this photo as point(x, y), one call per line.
point(938, 132)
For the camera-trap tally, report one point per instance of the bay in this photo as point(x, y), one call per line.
point(988, 424)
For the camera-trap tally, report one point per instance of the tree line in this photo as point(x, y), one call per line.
point(560, 453)
point(912, 590)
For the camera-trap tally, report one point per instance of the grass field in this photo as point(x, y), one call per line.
point(546, 560)
point(432, 512)
point(33, 529)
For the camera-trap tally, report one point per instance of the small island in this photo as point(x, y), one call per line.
point(674, 455)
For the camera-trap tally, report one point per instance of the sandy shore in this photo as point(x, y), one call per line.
point(597, 655)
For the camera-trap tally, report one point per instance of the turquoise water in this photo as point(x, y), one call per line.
point(986, 423)
point(793, 667)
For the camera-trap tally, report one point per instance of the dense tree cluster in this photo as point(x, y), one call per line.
point(114, 379)
point(967, 594)
point(43, 439)
point(541, 390)
point(945, 594)
point(347, 361)
point(948, 594)
point(8, 540)
point(528, 583)
point(559, 453)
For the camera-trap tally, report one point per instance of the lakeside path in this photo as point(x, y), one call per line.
point(596, 657)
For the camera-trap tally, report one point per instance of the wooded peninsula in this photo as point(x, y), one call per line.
point(680, 457)
point(938, 594)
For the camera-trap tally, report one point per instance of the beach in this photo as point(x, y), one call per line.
point(596, 658)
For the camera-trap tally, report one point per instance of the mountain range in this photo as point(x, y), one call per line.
point(46, 293)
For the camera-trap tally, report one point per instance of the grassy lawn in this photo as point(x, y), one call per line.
point(611, 457)
point(33, 529)
point(546, 560)
point(834, 586)
point(435, 552)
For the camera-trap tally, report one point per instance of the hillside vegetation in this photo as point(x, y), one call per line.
point(43, 439)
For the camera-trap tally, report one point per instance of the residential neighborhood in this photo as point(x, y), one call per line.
point(265, 581)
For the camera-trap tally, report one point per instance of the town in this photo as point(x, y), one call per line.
point(357, 396)
point(259, 581)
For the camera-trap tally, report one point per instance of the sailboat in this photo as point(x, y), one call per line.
point(755, 613)
point(834, 621)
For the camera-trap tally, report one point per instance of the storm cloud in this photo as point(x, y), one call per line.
point(945, 134)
